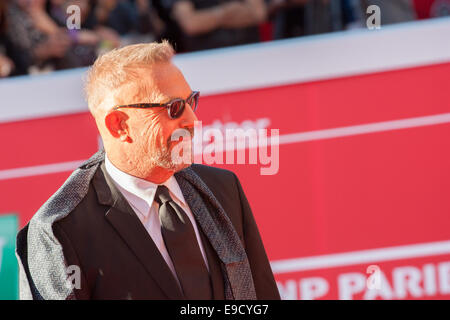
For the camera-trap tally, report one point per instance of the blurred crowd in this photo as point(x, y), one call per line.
point(35, 35)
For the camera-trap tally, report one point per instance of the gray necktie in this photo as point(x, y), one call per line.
point(182, 245)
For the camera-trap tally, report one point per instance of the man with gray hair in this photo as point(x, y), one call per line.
point(133, 221)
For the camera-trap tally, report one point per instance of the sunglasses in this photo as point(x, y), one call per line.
point(174, 107)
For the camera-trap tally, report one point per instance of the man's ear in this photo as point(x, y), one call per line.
point(116, 123)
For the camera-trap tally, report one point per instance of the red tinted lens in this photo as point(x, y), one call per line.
point(176, 109)
point(193, 100)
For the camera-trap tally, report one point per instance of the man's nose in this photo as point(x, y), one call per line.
point(188, 118)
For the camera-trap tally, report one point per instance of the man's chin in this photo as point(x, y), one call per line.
point(175, 167)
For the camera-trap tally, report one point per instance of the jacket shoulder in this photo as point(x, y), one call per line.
point(214, 175)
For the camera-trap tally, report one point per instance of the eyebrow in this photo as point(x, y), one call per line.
point(165, 99)
point(173, 98)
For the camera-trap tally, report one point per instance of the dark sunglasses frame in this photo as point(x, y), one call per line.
point(169, 105)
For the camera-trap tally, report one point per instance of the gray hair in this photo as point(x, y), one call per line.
point(119, 67)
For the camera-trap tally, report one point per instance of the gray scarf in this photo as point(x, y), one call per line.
point(41, 259)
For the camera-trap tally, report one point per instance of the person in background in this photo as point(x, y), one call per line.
point(93, 38)
point(126, 16)
point(432, 8)
point(293, 18)
point(6, 64)
point(353, 14)
point(36, 39)
point(170, 30)
point(287, 17)
point(214, 23)
point(322, 16)
point(41, 45)
point(394, 11)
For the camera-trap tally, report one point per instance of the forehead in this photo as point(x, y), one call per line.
point(163, 82)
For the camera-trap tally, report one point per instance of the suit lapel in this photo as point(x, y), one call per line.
point(127, 224)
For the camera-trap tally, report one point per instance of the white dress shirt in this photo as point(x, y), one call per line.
point(140, 194)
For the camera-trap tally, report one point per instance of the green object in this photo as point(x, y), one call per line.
point(9, 273)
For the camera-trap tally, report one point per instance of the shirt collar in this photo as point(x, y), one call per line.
point(143, 189)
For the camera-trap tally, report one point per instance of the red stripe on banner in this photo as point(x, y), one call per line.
point(371, 182)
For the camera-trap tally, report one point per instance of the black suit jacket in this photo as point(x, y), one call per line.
point(118, 259)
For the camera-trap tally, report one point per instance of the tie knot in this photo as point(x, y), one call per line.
point(162, 195)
